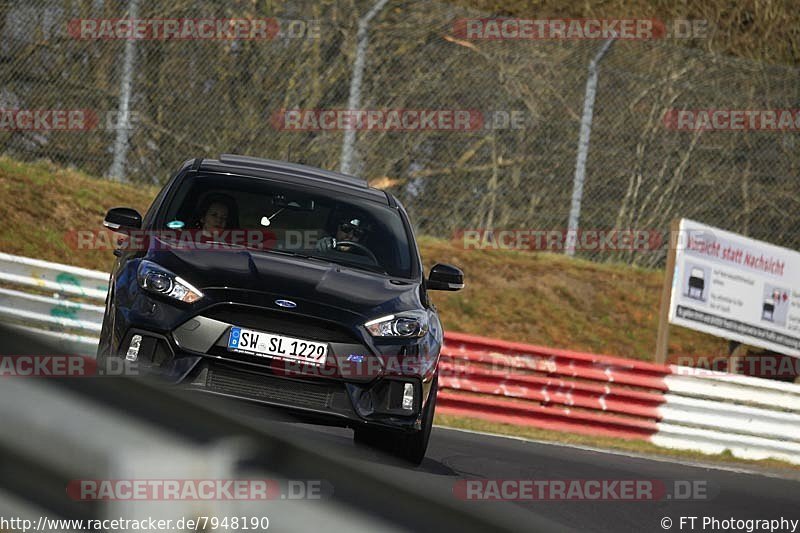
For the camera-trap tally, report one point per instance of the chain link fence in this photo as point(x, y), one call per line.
point(514, 168)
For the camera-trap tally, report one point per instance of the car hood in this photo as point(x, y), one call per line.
point(317, 287)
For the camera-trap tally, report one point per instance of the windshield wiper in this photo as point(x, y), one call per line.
point(361, 266)
point(289, 253)
point(230, 244)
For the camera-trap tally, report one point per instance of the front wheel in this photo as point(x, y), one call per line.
point(104, 345)
point(416, 444)
point(411, 447)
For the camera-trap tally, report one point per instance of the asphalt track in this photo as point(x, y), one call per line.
point(730, 492)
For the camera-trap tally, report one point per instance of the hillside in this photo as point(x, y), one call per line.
point(539, 298)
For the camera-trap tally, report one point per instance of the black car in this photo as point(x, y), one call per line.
point(282, 284)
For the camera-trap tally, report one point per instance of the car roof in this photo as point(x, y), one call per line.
point(294, 173)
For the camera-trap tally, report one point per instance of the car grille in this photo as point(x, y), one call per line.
point(283, 323)
point(295, 393)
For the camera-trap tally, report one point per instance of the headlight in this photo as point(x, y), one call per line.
point(405, 324)
point(159, 280)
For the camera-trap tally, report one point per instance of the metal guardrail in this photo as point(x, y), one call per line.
point(671, 406)
point(60, 302)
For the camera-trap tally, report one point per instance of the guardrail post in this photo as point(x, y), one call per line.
point(354, 100)
point(583, 148)
point(117, 170)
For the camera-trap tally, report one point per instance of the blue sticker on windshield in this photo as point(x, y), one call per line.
point(175, 224)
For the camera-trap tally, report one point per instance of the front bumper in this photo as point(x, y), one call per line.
point(194, 356)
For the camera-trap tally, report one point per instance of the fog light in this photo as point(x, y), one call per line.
point(133, 349)
point(408, 397)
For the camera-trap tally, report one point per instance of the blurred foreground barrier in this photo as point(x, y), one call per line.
point(670, 406)
point(499, 381)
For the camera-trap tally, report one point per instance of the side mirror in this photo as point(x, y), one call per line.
point(123, 218)
point(445, 278)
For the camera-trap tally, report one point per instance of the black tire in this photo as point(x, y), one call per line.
point(410, 447)
point(103, 351)
point(104, 346)
point(416, 444)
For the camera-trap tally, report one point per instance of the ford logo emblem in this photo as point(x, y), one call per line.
point(286, 303)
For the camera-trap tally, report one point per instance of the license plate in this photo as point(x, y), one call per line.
point(264, 344)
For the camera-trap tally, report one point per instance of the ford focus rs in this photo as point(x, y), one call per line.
point(286, 285)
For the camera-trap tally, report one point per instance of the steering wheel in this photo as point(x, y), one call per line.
point(360, 247)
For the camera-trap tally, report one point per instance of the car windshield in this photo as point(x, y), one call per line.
point(275, 217)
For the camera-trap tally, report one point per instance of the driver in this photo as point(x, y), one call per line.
point(216, 212)
point(351, 229)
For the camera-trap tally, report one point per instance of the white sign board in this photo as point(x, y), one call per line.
point(737, 288)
